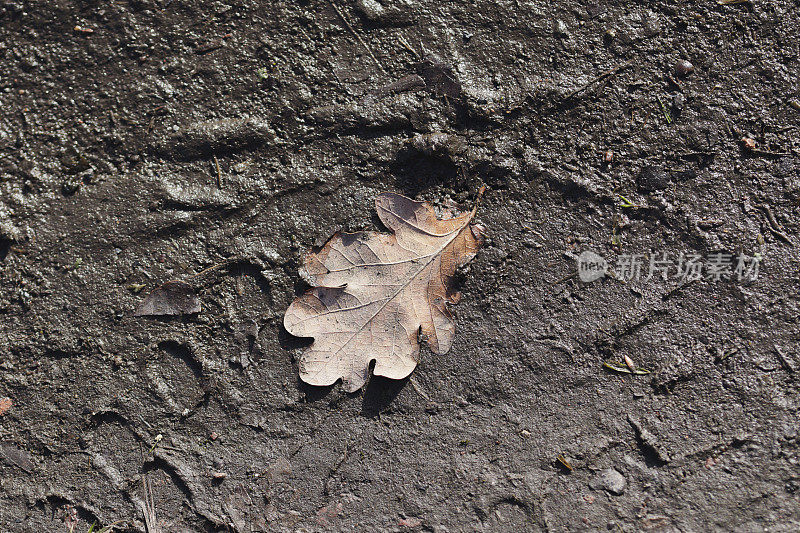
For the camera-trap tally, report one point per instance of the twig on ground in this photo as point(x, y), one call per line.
point(773, 225)
point(357, 36)
point(148, 509)
point(601, 77)
point(407, 46)
point(219, 173)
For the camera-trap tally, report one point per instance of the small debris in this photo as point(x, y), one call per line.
point(409, 522)
point(560, 29)
point(748, 143)
point(219, 476)
point(683, 68)
point(172, 298)
point(136, 288)
point(81, 29)
point(564, 463)
point(609, 480)
point(665, 110)
point(70, 517)
point(604, 75)
point(773, 225)
point(5, 405)
point(214, 435)
point(628, 204)
point(15, 456)
point(625, 368)
point(608, 157)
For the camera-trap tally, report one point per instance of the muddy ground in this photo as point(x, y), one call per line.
point(143, 141)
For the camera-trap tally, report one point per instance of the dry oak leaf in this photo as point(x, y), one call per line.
point(376, 292)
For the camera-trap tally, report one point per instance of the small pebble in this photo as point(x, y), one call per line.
point(560, 29)
point(609, 480)
point(683, 68)
point(748, 143)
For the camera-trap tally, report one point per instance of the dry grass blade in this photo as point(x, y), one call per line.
point(148, 509)
point(625, 368)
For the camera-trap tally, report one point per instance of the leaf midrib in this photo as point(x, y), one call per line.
point(411, 278)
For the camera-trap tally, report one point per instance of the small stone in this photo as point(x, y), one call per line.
point(652, 178)
point(560, 29)
point(683, 68)
point(748, 143)
point(610, 480)
point(398, 13)
point(651, 25)
point(219, 476)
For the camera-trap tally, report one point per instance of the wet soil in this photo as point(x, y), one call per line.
point(145, 141)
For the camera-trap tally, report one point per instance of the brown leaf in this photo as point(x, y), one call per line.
point(172, 298)
point(15, 456)
point(375, 293)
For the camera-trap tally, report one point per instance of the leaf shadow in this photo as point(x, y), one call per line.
point(416, 173)
point(289, 342)
point(314, 393)
point(379, 393)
